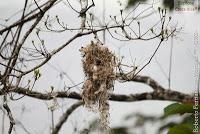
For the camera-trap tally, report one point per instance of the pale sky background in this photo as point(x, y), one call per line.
point(36, 117)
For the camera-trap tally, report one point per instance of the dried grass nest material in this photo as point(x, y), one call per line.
point(99, 68)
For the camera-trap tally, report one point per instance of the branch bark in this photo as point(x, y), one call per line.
point(12, 121)
point(65, 116)
point(141, 79)
point(165, 95)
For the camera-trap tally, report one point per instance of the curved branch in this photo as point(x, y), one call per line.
point(10, 116)
point(65, 116)
point(141, 79)
point(165, 95)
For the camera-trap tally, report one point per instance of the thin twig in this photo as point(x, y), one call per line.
point(170, 62)
point(9, 113)
point(150, 58)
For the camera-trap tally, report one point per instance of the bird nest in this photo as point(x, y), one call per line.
point(99, 68)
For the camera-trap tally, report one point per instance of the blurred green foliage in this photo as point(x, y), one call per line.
point(166, 3)
point(177, 108)
point(186, 126)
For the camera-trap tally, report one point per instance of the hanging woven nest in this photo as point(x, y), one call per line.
point(99, 68)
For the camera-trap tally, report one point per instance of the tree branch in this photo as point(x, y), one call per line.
point(65, 116)
point(27, 19)
point(141, 79)
point(165, 95)
point(12, 121)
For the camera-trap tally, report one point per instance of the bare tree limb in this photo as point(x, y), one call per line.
point(30, 18)
point(65, 116)
point(12, 122)
point(142, 79)
point(165, 95)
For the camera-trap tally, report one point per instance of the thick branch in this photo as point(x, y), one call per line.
point(167, 95)
point(142, 79)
